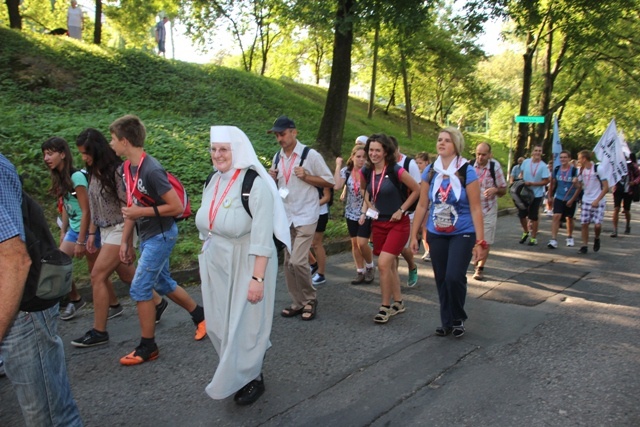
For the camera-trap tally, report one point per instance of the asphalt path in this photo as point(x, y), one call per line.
point(553, 339)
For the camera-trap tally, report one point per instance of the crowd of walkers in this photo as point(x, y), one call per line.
point(443, 207)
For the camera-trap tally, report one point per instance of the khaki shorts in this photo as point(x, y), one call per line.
point(490, 222)
point(113, 235)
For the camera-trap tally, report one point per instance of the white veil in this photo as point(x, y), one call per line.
point(244, 157)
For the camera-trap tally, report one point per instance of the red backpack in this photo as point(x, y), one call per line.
point(146, 200)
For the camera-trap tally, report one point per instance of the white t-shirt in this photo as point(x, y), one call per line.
point(591, 183)
point(74, 17)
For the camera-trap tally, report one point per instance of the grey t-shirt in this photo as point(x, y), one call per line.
point(153, 182)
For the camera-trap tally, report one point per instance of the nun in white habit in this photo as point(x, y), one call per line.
point(239, 264)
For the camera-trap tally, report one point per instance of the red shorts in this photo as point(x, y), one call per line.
point(390, 236)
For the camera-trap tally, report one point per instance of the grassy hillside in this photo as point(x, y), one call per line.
point(57, 86)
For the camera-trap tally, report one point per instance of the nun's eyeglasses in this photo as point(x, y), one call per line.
point(221, 150)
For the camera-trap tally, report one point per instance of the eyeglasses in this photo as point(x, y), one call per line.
point(222, 150)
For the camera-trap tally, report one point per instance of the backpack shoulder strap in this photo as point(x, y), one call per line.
point(555, 172)
point(492, 171)
point(305, 152)
point(209, 178)
point(407, 162)
point(247, 184)
point(276, 161)
point(462, 174)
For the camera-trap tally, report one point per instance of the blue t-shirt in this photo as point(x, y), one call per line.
point(451, 216)
point(535, 172)
point(565, 187)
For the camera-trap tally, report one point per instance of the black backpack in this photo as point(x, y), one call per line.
point(321, 193)
point(50, 274)
point(303, 157)
point(247, 184)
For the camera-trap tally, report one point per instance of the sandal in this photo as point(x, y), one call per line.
point(383, 315)
point(397, 308)
point(290, 312)
point(309, 310)
point(443, 331)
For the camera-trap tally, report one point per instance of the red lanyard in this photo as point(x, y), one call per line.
point(444, 194)
point(287, 172)
point(564, 175)
point(374, 192)
point(356, 183)
point(214, 211)
point(481, 177)
point(135, 182)
point(534, 171)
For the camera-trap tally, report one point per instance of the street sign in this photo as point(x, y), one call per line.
point(529, 119)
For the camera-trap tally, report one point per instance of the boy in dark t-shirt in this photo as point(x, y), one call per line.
point(158, 233)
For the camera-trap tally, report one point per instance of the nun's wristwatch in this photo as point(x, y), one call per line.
point(258, 279)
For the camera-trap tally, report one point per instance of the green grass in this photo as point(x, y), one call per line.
point(57, 86)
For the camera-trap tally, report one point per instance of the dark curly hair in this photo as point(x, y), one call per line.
point(61, 183)
point(105, 161)
point(387, 146)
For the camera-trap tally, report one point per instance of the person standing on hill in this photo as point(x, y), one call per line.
point(492, 186)
point(161, 36)
point(75, 20)
point(297, 177)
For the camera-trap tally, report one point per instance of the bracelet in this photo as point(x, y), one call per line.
point(81, 244)
point(482, 243)
point(258, 279)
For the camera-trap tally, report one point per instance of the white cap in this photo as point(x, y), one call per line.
point(362, 140)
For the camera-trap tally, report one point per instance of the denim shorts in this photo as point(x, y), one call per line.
point(153, 266)
point(72, 236)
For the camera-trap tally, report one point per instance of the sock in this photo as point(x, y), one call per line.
point(148, 342)
point(114, 306)
point(369, 265)
point(360, 270)
point(481, 268)
point(197, 315)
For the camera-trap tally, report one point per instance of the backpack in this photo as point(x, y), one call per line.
point(50, 274)
point(321, 193)
point(146, 200)
point(492, 170)
point(247, 184)
point(521, 194)
point(461, 176)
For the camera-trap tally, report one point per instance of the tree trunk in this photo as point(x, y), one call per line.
point(15, 20)
point(527, 73)
point(543, 136)
point(97, 31)
point(374, 69)
point(392, 98)
point(329, 139)
point(407, 91)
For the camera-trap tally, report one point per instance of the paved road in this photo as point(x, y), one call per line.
point(553, 339)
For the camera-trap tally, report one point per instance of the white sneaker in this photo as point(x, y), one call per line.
point(553, 244)
point(318, 279)
point(570, 241)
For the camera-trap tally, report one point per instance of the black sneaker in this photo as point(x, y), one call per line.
point(627, 230)
point(458, 328)
point(596, 245)
point(250, 392)
point(583, 250)
point(91, 338)
point(160, 308)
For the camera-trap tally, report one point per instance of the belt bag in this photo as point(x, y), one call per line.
point(55, 275)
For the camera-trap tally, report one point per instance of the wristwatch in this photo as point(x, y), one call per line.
point(258, 279)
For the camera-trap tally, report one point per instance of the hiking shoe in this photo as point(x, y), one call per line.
point(369, 274)
point(250, 392)
point(426, 257)
point(553, 244)
point(596, 245)
point(115, 311)
point(359, 279)
point(627, 230)
point(412, 280)
point(533, 242)
point(478, 274)
point(91, 338)
point(570, 241)
point(319, 279)
point(524, 237)
point(140, 355)
point(71, 309)
point(160, 308)
point(397, 308)
point(583, 250)
point(458, 328)
point(614, 233)
point(201, 331)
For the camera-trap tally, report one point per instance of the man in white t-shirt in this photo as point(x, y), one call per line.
point(593, 204)
point(75, 20)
